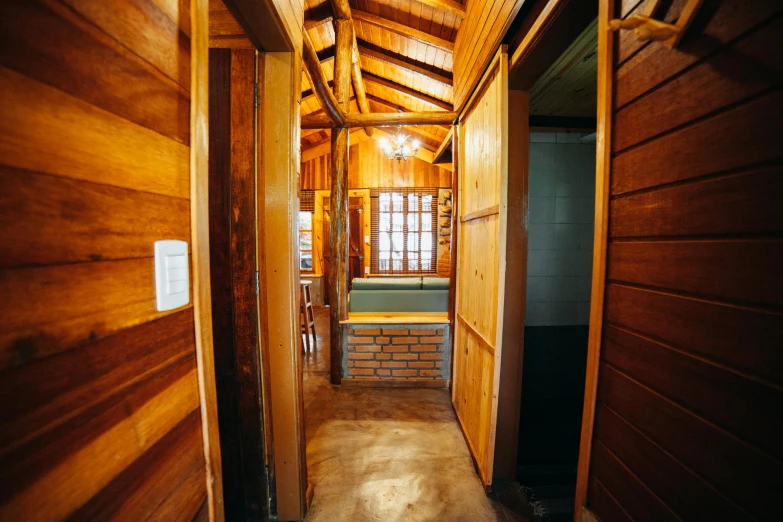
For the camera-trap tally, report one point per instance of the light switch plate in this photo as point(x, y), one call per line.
point(172, 278)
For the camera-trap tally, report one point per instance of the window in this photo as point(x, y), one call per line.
point(403, 231)
point(306, 241)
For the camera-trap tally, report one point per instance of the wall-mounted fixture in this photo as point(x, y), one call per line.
point(648, 28)
point(172, 280)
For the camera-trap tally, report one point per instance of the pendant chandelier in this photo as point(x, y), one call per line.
point(397, 148)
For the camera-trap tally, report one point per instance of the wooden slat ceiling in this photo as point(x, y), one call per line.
point(568, 87)
point(406, 55)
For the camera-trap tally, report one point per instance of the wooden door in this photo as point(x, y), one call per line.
point(490, 281)
point(685, 369)
point(355, 243)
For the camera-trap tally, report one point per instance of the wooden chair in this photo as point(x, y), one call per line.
point(306, 315)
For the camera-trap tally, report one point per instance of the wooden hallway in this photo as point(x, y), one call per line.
point(391, 454)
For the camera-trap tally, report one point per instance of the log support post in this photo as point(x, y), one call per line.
point(338, 233)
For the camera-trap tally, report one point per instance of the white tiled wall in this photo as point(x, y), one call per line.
point(560, 228)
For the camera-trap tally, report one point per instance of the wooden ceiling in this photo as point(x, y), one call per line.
point(568, 87)
point(406, 54)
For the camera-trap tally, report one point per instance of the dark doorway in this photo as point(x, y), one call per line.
point(232, 229)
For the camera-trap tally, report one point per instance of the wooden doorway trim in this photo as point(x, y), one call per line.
point(279, 272)
point(199, 226)
point(606, 9)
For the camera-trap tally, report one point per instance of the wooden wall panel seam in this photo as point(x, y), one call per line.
point(693, 121)
point(695, 356)
point(721, 174)
point(673, 460)
point(609, 494)
point(689, 411)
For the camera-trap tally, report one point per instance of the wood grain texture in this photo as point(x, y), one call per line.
point(95, 167)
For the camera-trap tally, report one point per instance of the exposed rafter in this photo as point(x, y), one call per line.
point(445, 144)
point(403, 30)
point(389, 58)
point(318, 81)
point(382, 119)
point(449, 6)
point(398, 108)
point(435, 102)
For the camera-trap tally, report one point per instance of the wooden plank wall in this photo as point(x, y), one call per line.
point(478, 39)
point(369, 168)
point(477, 346)
point(688, 422)
point(100, 416)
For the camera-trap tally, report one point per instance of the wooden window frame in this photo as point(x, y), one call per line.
point(375, 230)
point(312, 240)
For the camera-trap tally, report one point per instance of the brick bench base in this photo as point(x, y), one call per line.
point(405, 355)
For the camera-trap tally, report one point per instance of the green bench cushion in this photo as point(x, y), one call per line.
point(399, 301)
point(387, 283)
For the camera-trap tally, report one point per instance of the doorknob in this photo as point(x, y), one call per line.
point(648, 28)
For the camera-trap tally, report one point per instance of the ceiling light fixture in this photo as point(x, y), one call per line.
point(398, 149)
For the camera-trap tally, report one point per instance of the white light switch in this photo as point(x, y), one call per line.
point(172, 283)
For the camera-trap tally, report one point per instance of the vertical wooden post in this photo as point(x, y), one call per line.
point(338, 233)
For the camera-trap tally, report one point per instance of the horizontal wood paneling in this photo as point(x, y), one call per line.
point(743, 203)
point(57, 307)
point(727, 269)
point(118, 223)
point(719, 332)
point(46, 130)
point(101, 418)
point(66, 57)
point(690, 385)
point(690, 95)
point(720, 24)
point(644, 505)
point(738, 404)
point(705, 147)
point(738, 472)
point(679, 487)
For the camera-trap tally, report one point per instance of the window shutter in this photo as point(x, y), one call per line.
point(307, 201)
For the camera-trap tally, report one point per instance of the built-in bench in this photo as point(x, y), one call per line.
point(399, 294)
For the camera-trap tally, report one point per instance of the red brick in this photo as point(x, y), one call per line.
point(392, 364)
point(370, 348)
point(367, 364)
point(382, 356)
point(421, 365)
point(350, 330)
point(359, 356)
point(432, 340)
point(430, 373)
point(360, 340)
point(395, 331)
point(404, 373)
point(438, 365)
point(387, 349)
point(440, 331)
point(361, 371)
point(405, 357)
point(382, 340)
point(351, 348)
point(424, 348)
point(405, 340)
point(350, 364)
point(383, 373)
point(431, 356)
point(422, 332)
point(368, 331)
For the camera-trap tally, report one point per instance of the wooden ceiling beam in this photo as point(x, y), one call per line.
point(403, 30)
point(389, 58)
point(321, 88)
point(443, 147)
point(395, 107)
point(448, 6)
point(381, 119)
point(383, 82)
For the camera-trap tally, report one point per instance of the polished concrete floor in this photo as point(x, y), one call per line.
point(386, 454)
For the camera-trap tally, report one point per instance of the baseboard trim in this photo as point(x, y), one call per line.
point(376, 382)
